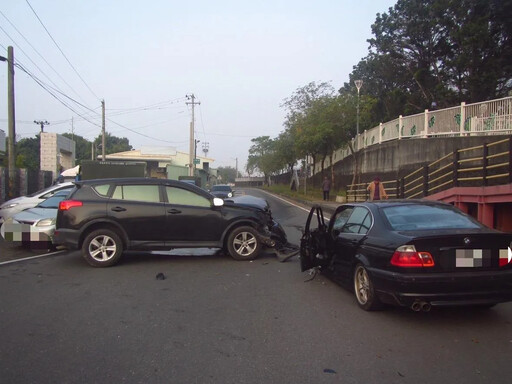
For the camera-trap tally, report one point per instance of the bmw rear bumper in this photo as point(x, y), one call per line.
point(443, 289)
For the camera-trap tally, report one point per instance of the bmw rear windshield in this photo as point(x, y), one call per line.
point(425, 217)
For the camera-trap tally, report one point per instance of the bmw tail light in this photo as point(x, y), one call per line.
point(64, 205)
point(406, 256)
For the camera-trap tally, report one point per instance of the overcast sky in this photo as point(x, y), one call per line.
point(240, 59)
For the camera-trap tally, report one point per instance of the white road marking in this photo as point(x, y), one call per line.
point(289, 202)
point(30, 258)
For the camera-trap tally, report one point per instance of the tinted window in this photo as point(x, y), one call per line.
point(355, 222)
point(180, 196)
point(418, 216)
point(341, 218)
point(102, 189)
point(148, 193)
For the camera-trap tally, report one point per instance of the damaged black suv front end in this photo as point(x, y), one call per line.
point(275, 234)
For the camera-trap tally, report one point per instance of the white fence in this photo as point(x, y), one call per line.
point(486, 118)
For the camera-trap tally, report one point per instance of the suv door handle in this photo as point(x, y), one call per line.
point(173, 211)
point(118, 209)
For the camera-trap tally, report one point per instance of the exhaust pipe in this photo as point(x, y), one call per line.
point(421, 306)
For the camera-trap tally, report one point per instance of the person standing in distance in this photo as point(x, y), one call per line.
point(376, 189)
point(326, 187)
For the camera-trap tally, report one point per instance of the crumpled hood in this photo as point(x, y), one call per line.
point(248, 201)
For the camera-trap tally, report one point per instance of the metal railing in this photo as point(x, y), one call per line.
point(481, 165)
point(492, 117)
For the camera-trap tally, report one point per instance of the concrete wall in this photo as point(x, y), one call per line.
point(57, 153)
point(395, 159)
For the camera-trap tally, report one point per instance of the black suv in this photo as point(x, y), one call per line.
point(104, 217)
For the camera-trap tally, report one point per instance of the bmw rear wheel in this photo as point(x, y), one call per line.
point(244, 243)
point(102, 248)
point(364, 290)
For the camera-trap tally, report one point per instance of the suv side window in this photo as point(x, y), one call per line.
point(102, 189)
point(147, 193)
point(180, 196)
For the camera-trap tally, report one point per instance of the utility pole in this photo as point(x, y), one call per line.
point(103, 130)
point(42, 124)
point(11, 120)
point(192, 140)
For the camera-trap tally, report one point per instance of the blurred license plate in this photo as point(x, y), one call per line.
point(472, 258)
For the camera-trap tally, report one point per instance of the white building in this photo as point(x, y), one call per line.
point(57, 153)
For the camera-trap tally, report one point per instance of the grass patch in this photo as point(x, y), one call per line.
point(312, 193)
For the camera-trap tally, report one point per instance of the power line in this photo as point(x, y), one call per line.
point(150, 106)
point(45, 87)
point(26, 55)
point(61, 51)
point(40, 55)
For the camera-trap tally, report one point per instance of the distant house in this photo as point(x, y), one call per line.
point(166, 162)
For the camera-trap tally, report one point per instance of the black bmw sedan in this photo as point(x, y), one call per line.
point(413, 253)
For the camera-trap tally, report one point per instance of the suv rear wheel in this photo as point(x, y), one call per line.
point(244, 243)
point(102, 248)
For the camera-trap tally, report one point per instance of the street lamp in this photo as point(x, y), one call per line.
point(359, 84)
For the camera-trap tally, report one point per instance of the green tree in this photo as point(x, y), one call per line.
point(284, 148)
point(113, 144)
point(27, 153)
point(439, 52)
point(479, 61)
point(228, 174)
point(262, 157)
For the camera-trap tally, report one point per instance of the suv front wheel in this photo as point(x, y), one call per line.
point(244, 243)
point(102, 248)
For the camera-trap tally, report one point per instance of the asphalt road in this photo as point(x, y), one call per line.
point(216, 320)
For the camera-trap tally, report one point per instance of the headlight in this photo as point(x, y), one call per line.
point(230, 194)
point(45, 222)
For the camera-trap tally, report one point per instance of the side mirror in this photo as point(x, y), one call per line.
point(218, 202)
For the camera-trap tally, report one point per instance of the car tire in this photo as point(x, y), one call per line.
point(364, 290)
point(102, 248)
point(244, 243)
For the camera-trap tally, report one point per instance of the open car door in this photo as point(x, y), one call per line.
point(314, 241)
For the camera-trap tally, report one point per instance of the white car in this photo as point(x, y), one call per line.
point(18, 204)
point(35, 224)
